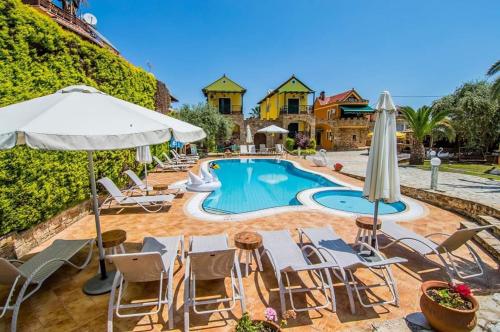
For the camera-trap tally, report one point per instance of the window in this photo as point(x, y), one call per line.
point(225, 105)
point(354, 138)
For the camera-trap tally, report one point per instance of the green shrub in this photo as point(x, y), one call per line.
point(37, 57)
point(289, 143)
point(304, 152)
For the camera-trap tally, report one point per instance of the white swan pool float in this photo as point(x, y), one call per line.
point(205, 183)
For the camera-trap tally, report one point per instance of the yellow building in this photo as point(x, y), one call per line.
point(227, 97)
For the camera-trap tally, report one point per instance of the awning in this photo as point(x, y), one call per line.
point(357, 109)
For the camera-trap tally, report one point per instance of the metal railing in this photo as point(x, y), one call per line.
point(298, 109)
point(234, 109)
point(59, 13)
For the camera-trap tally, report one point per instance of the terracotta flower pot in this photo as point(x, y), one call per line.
point(268, 324)
point(445, 319)
point(338, 167)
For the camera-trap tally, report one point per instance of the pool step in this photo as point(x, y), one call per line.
point(486, 239)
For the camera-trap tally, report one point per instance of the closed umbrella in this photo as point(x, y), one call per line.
point(143, 156)
point(272, 129)
point(382, 175)
point(82, 118)
point(249, 139)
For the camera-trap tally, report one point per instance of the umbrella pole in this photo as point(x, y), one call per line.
point(146, 177)
point(100, 283)
point(375, 220)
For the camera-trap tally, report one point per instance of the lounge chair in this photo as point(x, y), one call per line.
point(334, 250)
point(280, 150)
point(210, 258)
point(243, 149)
point(36, 270)
point(177, 162)
point(152, 203)
point(263, 149)
point(182, 160)
point(169, 166)
point(140, 185)
point(155, 262)
point(424, 246)
point(286, 257)
point(251, 149)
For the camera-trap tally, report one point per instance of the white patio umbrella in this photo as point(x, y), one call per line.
point(382, 175)
point(143, 156)
point(249, 138)
point(82, 118)
point(272, 129)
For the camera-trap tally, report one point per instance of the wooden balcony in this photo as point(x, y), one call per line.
point(301, 109)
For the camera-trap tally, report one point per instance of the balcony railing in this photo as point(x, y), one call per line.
point(299, 109)
point(234, 109)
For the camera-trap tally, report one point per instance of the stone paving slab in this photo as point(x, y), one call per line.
point(463, 186)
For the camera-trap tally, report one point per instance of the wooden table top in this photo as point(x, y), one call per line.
point(248, 240)
point(160, 186)
point(113, 238)
point(367, 222)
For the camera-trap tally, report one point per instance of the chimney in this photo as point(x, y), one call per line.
point(322, 95)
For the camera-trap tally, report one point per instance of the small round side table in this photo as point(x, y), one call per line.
point(113, 240)
point(365, 230)
point(249, 242)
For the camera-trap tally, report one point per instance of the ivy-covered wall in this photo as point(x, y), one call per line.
point(38, 57)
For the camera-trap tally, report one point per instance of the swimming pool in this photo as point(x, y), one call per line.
point(256, 184)
point(351, 201)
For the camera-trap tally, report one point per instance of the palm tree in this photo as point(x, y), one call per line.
point(423, 122)
point(443, 130)
point(495, 89)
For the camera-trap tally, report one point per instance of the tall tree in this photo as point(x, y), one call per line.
point(422, 122)
point(217, 126)
point(474, 114)
point(495, 88)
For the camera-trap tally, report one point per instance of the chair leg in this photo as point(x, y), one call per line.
point(111, 301)
point(257, 258)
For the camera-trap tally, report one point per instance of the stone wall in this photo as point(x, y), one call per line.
point(18, 244)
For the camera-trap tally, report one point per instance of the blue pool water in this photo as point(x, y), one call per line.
point(257, 184)
point(351, 201)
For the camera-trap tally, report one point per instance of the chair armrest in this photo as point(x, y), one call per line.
point(437, 233)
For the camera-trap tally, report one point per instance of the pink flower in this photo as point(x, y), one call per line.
point(462, 289)
point(271, 314)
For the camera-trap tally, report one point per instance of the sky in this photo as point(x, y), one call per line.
point(410, 48)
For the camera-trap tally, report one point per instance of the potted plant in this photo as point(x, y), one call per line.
point(338, 167)
point(448, 307)
point(246, 324)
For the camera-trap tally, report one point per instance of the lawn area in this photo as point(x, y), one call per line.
point(471, 169)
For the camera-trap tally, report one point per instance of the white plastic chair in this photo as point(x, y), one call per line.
point(36, 270)
point(210, 258)
point(155, 262)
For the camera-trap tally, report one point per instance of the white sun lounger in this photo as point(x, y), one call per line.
point(286, 257)
point(424, 246)
point(169, 166)
point(155, 262)
point(36, 270)
point(251, 149)
point(140, 185)
point(182, 160)
point(194, 157)
point(169, 161)
point(243, 149)
point(210, 258)
point(152, 203)
point(333, 249)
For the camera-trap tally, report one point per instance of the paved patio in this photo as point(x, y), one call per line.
point(62, 306)
point(464, 186)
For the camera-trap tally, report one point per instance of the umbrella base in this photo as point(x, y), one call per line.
point(98, 286)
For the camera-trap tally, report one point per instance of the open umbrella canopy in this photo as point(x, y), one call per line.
point(83, 118)
point(272, 129)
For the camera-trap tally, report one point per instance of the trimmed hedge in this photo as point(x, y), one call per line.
point(37, 57)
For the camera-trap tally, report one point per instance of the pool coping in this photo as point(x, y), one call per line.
point(193, 207)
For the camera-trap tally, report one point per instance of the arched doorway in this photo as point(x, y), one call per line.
point(258, 139)
point(235, 136)
point(293, 129)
